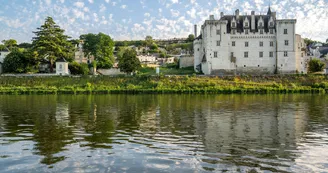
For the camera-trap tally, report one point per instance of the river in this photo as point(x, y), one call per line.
point(164, 133)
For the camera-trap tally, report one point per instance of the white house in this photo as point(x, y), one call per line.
point(3, 54)
point(62, 67)
point(248, 44)
point(147, 59)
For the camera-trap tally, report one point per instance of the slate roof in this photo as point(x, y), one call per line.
point(61, 60)
point(323, 50)
point(240, 22)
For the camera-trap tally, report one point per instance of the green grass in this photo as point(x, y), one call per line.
point(164, 84)
point(167, 71)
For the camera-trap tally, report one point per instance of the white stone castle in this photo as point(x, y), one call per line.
point(249, 44)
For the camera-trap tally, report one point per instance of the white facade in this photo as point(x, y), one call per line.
point(62, 67)
point(146, 59)
point(247, 44)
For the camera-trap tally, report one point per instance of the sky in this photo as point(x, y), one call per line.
point(135, 19)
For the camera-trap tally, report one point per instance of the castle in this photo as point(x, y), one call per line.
point(249, 44)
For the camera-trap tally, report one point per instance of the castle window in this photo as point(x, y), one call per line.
point(286, 42)
point(233, 24)
point(271, 54)
point(198, 49)
point(215, 54)
point(260, 24)
point(261, 54)
point(261, 31)
point(233, 43)
point(271, 24)
point(302, 55)
point(271, 43)
point(246, 24)
point(246, 44)
point(246, 31)
point(217, 43)
point(261, 43)
point(285, 54)
point(218, 32)
point(285, 31)
point(231, 54)
point(246, 54)
point(271, 31)
point(244, 65)
point(233, 32)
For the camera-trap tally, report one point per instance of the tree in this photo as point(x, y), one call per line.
point(101, 46)
point(78, 69)
point(19, 62)
point(129, 62)
point(10, 44)
point(149, 41)
point(25, 45)
point(51, 42)
point(315, 65)
point(191, 38)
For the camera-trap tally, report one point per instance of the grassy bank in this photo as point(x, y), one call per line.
point(163, 84)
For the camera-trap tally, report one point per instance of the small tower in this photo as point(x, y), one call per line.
point(62, 67)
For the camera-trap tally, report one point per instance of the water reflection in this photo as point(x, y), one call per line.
point(173, 133)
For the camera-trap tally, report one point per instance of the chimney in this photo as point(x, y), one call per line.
point(221, 14)
point(195, 30)
point(253, 20)
point(237, 14)
point(211, 17)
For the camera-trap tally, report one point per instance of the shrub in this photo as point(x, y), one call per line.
point(315, 65)
point(78, 69)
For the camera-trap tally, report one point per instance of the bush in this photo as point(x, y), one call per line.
point(78, 69)
point(315, 65)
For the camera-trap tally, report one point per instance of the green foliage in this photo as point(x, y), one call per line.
point(101, 46)
point(10, 44)
point(149, 41)
point(78, 69)
point(19, 62)
point(129, 62)
point(25, 45)
point(316, 65)
point(154, 46)
point(191, 38)
point(165, 84)
point(51, 42)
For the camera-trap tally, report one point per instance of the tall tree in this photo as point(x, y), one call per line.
point(10, 44)
point(51, 42)
point(190, 38)
point(101, 46)
point(128, 61)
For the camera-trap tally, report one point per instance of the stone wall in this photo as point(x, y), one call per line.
point(110, 72)
point(186, 61)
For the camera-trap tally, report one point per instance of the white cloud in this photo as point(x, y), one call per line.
point(175, 1)
point(79, 4)
point(147, 15)
point(91, 1)
point(123, 6)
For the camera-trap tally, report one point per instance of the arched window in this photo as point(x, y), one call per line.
point(60, 66)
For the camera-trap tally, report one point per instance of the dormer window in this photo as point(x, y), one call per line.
point(246, 24)
point(260, 24)
point(271, 24)
point(233, 24)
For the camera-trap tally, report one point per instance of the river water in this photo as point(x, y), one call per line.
point(164, 133)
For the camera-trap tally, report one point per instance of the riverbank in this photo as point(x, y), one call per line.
point(165, 84)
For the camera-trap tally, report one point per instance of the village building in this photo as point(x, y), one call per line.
point(62, 67)
point(249, 44)
point(79, 56)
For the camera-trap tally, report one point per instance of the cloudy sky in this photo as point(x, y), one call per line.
point(134, 19)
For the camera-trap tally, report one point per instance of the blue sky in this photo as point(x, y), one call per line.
point(134, 19)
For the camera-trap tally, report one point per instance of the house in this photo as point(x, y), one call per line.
point(3, 54)
point(248, 44)
point(62, 67)
point(79, 56)
point(317, 50)
point(147, 59)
